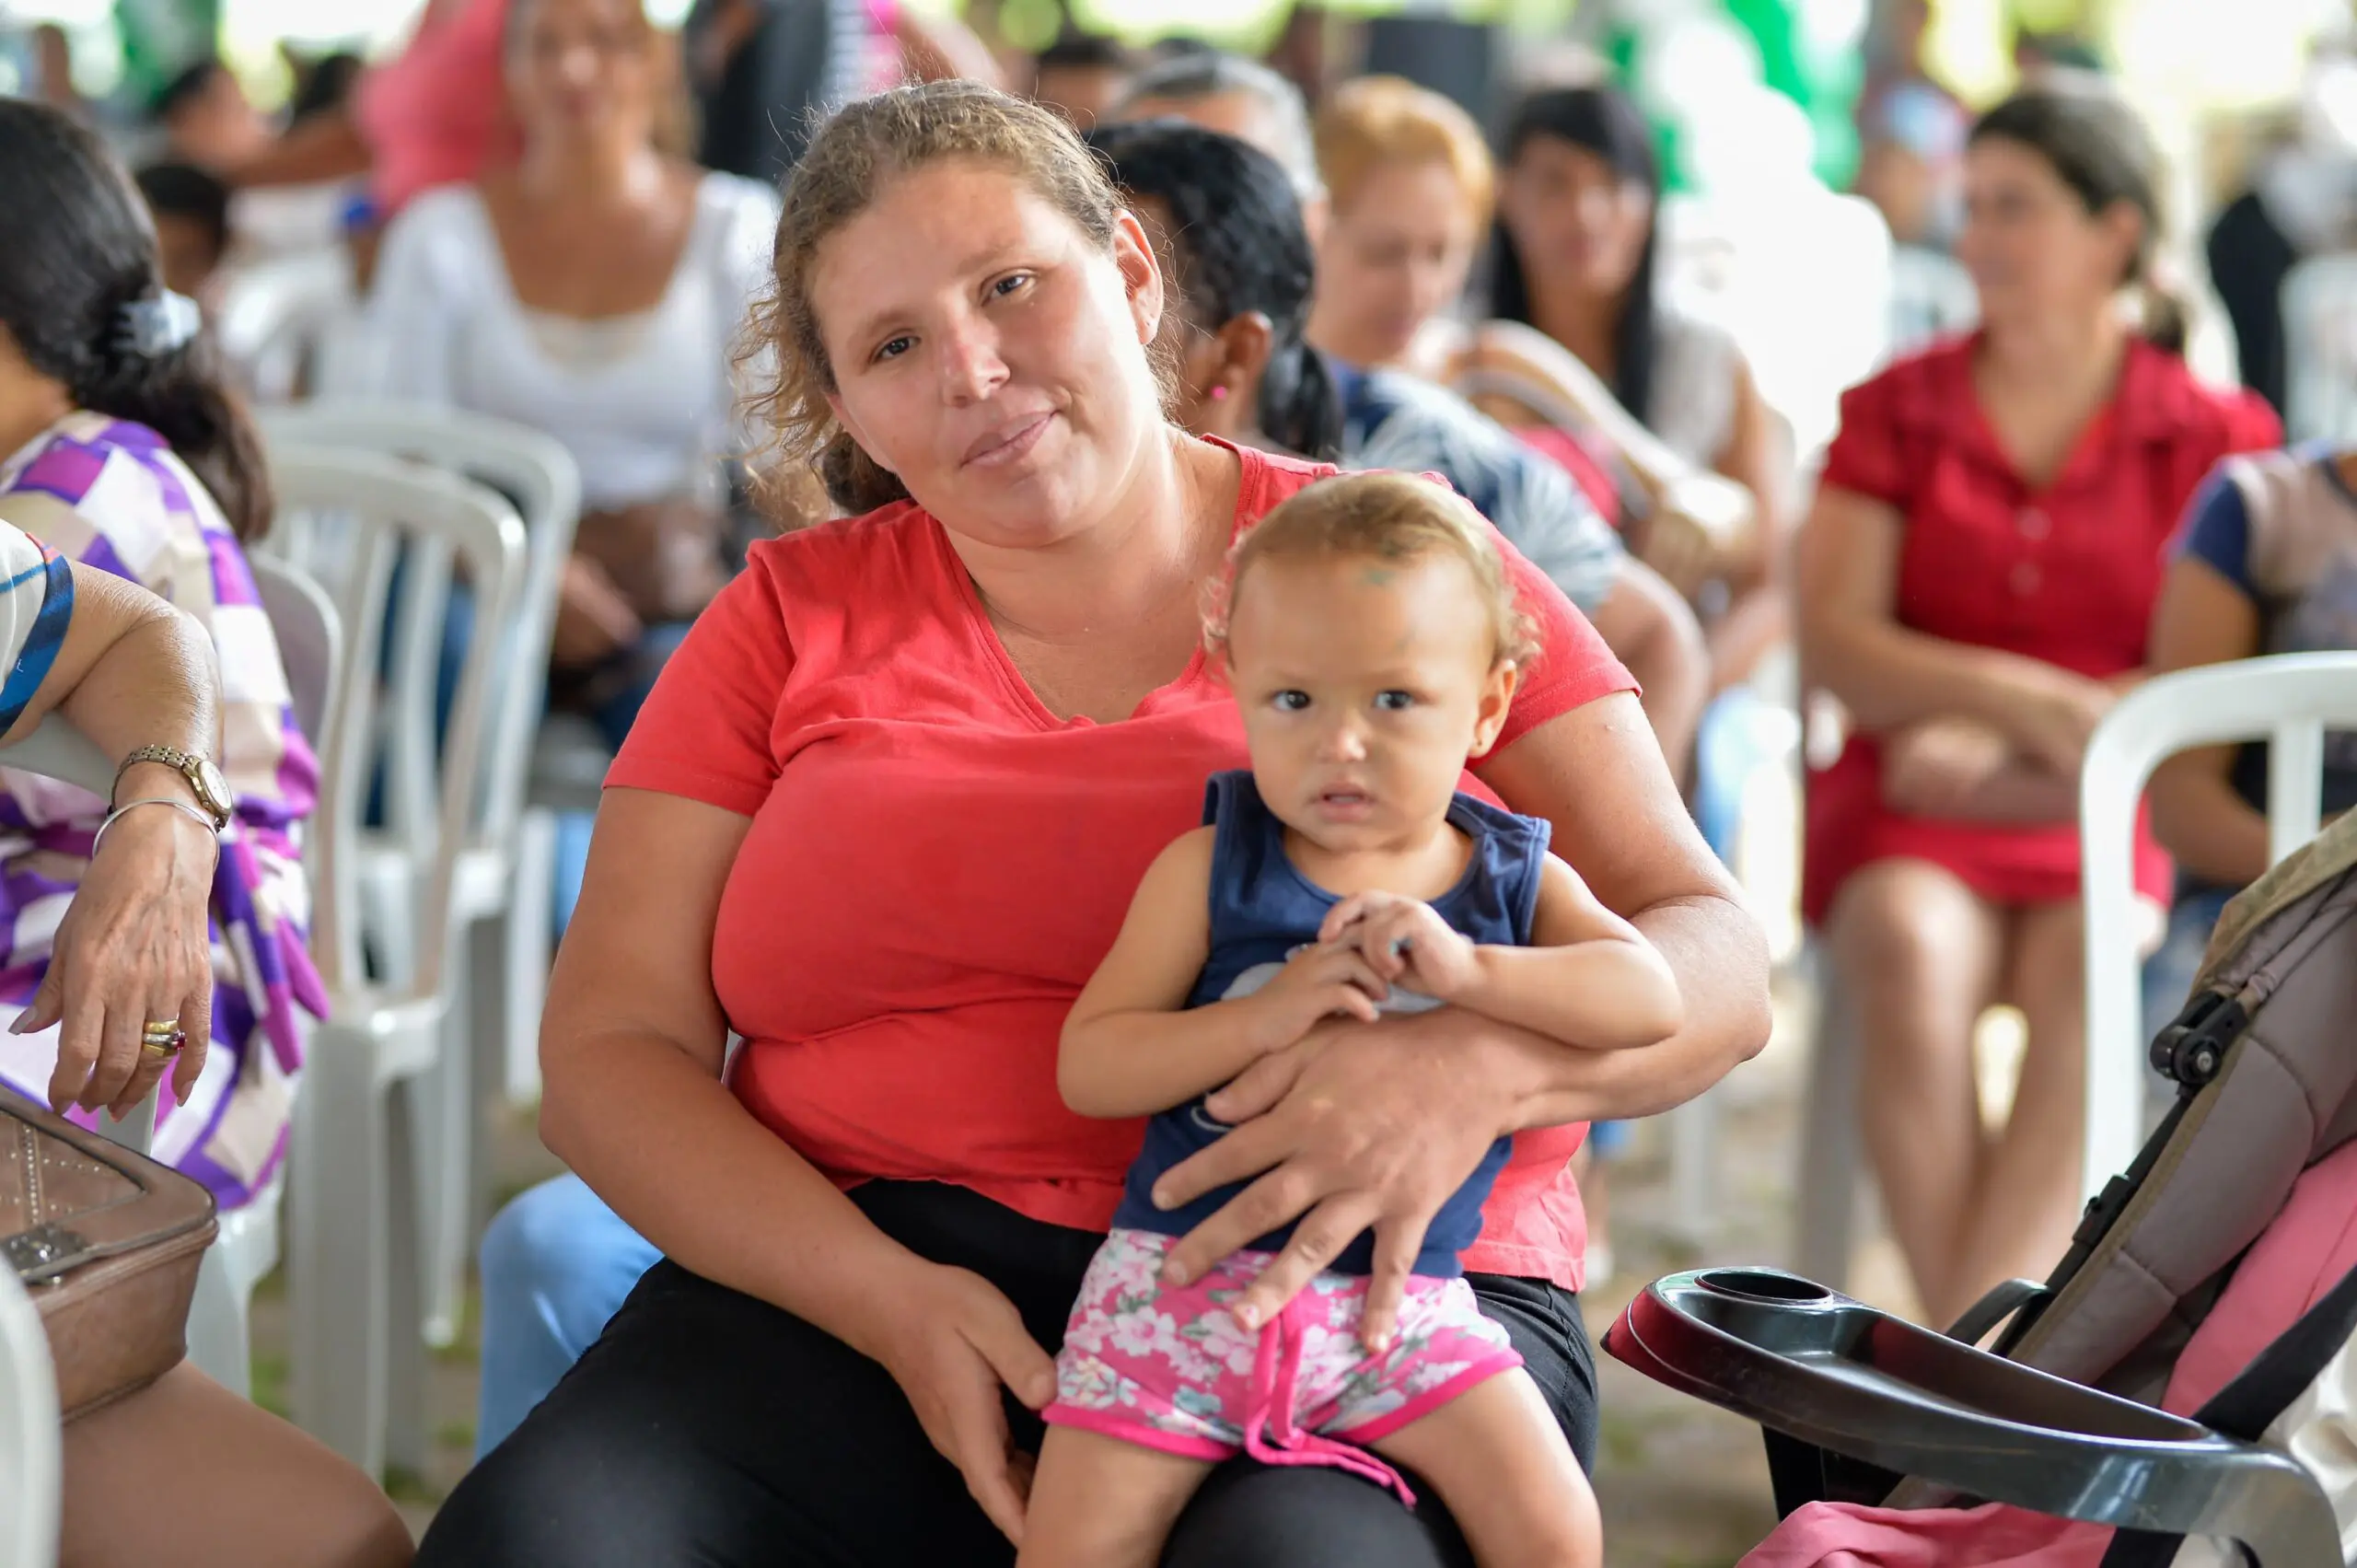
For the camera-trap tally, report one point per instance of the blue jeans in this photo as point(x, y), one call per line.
point(556, 1265)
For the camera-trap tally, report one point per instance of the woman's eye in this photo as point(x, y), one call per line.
point(1290, 702)
point(1010, 284)
point(892, 348)
point(1394, 700)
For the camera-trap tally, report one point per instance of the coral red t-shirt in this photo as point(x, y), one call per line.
point(936, 864)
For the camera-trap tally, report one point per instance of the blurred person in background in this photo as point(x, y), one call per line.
point(1910, 163)
point(52, 66)
point(1576, 257)
point(1082, 75)
point(191, 209)
point(1239, 98)
point(435, 114)
point(207, 119)
point(1976, 580)
point(594, 291)
point(765, 71)
point(323, 84)
point(2265, 564)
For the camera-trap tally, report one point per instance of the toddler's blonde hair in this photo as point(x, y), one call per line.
point(1382, 517)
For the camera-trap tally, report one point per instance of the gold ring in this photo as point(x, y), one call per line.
point(166, 1046)
point(159, 1028)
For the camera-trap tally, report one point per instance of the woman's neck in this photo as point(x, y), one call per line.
point(2073, 360)
point(589, 172)
point(29, 403)
point(1582, 321)
point(1144, 562)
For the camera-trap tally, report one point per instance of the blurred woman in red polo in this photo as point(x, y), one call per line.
point(1976, 580)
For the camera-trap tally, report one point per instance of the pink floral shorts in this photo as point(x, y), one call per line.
point(1169, 1369)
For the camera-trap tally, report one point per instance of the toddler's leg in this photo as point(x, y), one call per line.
point(1497, 1459)
point(1099, 1502)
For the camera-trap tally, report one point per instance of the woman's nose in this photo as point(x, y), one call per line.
point(972, 367)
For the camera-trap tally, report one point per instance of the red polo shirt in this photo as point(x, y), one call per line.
point(2067, 572)
point(936, 864)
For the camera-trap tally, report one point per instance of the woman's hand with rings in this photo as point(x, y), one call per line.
point(1359, 1127)
point(134, 949)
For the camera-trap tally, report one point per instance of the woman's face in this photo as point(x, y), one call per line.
point(2033, 251)
point(1396, 256)
point(584, 69)
point(990, 354)
point(1574, 219)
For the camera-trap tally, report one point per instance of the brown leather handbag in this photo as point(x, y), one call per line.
point(107, 1243)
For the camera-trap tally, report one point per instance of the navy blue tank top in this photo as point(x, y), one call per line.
point(1261, 909)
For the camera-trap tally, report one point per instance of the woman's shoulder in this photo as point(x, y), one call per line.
point(2163, 396)
point(1919, 386)
point(93, 479)
point(441, 229)
point(733, 197)
point(887, 541)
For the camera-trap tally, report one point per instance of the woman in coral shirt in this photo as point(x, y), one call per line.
point(882, 818)
point(1978, 575)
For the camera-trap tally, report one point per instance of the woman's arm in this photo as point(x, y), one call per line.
point(2202, 618)
point(1653, 632)
point(631, 1044)
point(129, 672)
point(327, 148)
point(1889, 676)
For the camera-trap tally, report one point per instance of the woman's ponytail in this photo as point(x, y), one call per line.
point(182, 392)
point(1301, 408)
point(2165, 323)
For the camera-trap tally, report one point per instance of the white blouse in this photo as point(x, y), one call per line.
point(647, 403)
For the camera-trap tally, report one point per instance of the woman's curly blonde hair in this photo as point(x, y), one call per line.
point(850, 159)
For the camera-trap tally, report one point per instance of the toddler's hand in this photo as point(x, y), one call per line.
point(1405, 942)
point(1324, 981)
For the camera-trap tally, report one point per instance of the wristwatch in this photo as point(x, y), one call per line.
point(211, 789)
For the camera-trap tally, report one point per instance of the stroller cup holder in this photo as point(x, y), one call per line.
point(1827, 1376)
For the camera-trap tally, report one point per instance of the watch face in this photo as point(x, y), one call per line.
point(213, 787)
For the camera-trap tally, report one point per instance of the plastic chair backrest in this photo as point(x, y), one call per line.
point(536, 472)
point(277, 315)
point(2288, 701)
point(32, 1444)
point(363, 512)
point(309, 637)
point(2319, 306)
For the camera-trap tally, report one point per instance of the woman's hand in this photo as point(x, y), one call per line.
point(1938, 766)
point(133, 947)
point(955, 1341)
point(2053, 714)
point(1359, 1126)
point(1405, 941)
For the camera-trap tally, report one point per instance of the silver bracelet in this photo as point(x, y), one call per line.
point(182, 806)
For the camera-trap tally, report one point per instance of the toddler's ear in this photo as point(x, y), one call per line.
point(1497, 701)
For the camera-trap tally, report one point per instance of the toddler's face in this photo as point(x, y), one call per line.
point(1365, 686)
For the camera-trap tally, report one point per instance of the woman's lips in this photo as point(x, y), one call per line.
point(1007, 443)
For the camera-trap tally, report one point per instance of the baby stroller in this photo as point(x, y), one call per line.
point(2062, 1417)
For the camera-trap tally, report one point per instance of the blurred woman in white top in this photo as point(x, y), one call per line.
point(593, 290)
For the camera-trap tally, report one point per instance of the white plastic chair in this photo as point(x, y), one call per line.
point(32, 1464)
point(281, 319)
point(360, 1132)
point(2319, 307)
point(2288, 701)
point(507, 872)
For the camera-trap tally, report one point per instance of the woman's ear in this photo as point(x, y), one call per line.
point(1245, 343)
point(2123, 226)
point(1141, 274)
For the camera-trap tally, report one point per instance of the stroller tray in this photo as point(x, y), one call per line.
point(1817, 1368)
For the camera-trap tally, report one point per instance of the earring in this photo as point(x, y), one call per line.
point(1219, 394)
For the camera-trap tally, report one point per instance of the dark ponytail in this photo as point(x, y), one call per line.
point(2098, 147)
point(1598, 120)
point(1238, 247)
point(80, 252)
point(1301, 408)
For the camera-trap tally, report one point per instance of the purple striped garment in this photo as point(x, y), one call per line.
point(109, 493)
